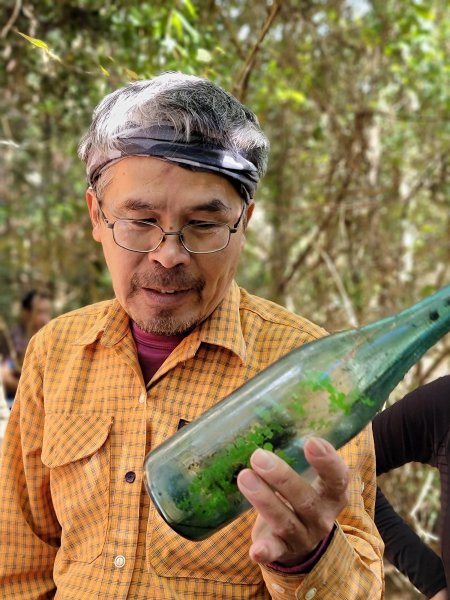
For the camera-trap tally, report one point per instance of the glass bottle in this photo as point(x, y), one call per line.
point(330, 388)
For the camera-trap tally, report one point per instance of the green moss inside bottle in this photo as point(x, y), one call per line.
point(212, 492)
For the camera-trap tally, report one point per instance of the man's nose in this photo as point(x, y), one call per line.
point(170, 253)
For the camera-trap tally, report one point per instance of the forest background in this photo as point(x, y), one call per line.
point(353, 216)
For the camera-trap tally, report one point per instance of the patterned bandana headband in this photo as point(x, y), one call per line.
point(161, 142)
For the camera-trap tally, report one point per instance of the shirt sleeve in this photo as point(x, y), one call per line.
point(406, 551)
point(352, 562)
point(308, 564)
point(413, 428)
point(26, 511)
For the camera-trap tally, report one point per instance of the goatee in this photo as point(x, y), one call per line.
point(164, 323)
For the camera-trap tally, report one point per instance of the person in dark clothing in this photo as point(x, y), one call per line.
point(36, 311)
point(408, 553)
point(416, 428)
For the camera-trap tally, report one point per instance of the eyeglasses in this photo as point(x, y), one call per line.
point(143, 236)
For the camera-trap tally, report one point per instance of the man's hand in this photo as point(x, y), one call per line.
point(294, 516)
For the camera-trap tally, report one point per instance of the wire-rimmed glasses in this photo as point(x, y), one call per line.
point(140, 235)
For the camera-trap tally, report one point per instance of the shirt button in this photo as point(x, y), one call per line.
point(119, 561)
point(310, 594)
point(143, 397)
point(130, 476)
point(278, 588)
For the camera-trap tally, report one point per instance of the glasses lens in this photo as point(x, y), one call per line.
point(206, 237)
point(137, 235)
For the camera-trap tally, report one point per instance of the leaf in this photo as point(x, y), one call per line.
point(294, 96)
point(190, 8)
point(190, 30)
point(176, 23)
point(40, 44)
point(104, 71)
point(203, 55)
point(132, 74)
point(53, 55)
point(35, 41)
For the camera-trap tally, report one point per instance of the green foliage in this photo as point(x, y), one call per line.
point(353, 97)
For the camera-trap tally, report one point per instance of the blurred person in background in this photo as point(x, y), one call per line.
point(36, 311)
point(4, 412)
point(4, 349)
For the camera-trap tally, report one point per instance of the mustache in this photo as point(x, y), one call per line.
point(176, 278)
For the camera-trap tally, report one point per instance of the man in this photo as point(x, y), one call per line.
point(172, 165)
point(36, 311)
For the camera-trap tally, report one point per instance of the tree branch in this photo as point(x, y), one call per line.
point(233, 38)
point(241, 85)
point(348, 306)
point(323, 225)
point(12, 19)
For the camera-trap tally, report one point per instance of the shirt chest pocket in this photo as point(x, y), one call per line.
point(222, 557)
point(77, 450)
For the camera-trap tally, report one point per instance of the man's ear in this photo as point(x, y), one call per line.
point(91, 200)
point(250, 208)
point(248, 216)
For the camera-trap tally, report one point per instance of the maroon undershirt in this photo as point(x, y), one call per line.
point(152, 351)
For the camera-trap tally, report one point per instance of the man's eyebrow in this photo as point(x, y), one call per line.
point(138, 204)
point(214, 205)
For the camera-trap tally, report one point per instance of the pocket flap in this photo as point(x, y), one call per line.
point(69, 437)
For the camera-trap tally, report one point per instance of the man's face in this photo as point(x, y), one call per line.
point(168, 291)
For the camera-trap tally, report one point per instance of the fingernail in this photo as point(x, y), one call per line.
point(249, 480)
point(317, 447)
point(263, 460)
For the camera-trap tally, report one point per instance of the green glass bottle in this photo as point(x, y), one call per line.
point(329, 388)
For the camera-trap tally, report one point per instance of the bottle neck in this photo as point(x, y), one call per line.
point(398, 342)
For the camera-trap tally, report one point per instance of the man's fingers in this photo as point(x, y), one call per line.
point(296, 493)
point(331, 469)
point(280, 531)
point(319, 502)
point(293, 514)
point(264, 498)
point(268, 550)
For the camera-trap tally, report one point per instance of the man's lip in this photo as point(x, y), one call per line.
point(166, 291)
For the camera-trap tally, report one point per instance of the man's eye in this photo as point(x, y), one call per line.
point(205, 225)
point(150, 220)
point(144, 222)
point(141, 224)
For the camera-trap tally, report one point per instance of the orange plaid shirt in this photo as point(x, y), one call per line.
point(75, 521)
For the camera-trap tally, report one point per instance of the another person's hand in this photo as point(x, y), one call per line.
point(441, 595)
point(294, 516)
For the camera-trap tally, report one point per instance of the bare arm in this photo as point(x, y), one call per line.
point(442, 595)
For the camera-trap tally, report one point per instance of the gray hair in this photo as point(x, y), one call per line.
point(192, 106)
